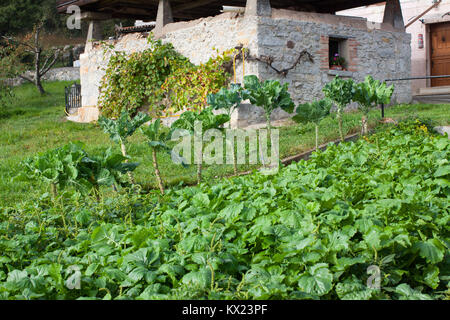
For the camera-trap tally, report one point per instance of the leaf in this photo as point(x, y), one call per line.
point(201, 200)
point(442, 171)
point(200, 279)
point(318, 280)
point(353, 289)
point(407, 293)
point(232, 212)
point(431, 276)
point(431, 250)
point(312, 112)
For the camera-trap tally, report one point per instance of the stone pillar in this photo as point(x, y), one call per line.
point(393, 14)
point(95, 26)
point(258, 8)
point(94, 33)
point(163, 17)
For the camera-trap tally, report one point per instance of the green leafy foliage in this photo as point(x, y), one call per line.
point(133, 81)
point(269, 95)
point(206, 120)
point(70, 165)
point(156, 138)
point(190, 85)
point(226, 99)
point(371, 92)
point(124, 126)
point(196, 124)
point(340, 92)
point(309, 232)
point(313, 112)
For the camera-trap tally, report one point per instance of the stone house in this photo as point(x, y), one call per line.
point(274, 31)
point(428, 22)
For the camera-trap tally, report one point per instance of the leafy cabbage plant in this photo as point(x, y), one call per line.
point(369, 94)
point(228, 100)
point(269, 95)
point(70, 165)
point(196, 124)
point(122, 128)
point(341, 93)
point(313, 112)
point(157, 142)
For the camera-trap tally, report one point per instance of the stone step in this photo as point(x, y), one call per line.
point(432, 99)
point(73, 118)
point(445, 130)
point(434, 91)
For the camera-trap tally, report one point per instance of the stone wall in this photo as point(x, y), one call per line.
point(56, 74)
point(372, 49)
point(384, 54)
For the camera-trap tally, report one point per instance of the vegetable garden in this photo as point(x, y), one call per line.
point(309, 232)
point(314, 230)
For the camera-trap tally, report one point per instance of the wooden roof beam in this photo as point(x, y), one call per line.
point(192, 5)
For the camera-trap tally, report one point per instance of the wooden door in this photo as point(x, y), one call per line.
point(440, 53)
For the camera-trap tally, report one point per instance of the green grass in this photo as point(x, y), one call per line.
point(35, 124)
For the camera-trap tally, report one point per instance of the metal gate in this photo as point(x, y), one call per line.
point(73, 98)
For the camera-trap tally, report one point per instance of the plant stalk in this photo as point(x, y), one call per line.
point(157, 173)
point(341, 130)
point(124, 153)
point(317, 137)
point(234, 153)
point(364, 124)
point(54, 191)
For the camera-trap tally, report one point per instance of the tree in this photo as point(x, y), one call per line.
point(341, 93)
point(121, 129)
point(228, 100)
point(369, 94)
point(6, 95)
point(157, 142)
point(44, 60)
point(269, 95)
point(207, 120)
point(313, 112)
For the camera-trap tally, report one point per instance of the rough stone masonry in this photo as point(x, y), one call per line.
point(371, 49)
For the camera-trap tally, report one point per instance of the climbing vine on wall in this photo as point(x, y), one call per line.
point(133, 81)
point(190, 86)
point(158, 80)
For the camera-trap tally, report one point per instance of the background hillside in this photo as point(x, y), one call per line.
point(17, 17)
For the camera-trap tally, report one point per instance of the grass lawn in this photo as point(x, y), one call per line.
point(36, 123)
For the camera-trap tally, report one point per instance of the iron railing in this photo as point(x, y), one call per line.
point(73, 98)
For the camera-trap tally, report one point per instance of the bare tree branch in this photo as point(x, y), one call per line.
point(26, 78)
point(25, 44)
point(46, 68)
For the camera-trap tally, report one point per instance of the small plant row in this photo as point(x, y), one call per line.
point(271, 95)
